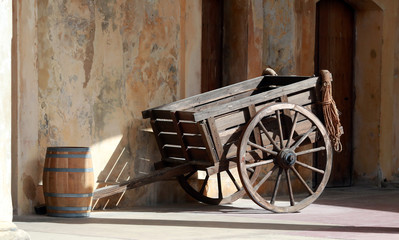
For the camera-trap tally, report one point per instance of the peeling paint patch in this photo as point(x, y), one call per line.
point(89, 54)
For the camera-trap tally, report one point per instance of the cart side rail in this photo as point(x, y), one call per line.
point(226, 94)
point(256, 99)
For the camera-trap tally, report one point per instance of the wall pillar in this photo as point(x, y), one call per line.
point(25, 151)
point(5, 113)
point(7, 229)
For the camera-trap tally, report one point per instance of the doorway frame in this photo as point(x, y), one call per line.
point(368, 81)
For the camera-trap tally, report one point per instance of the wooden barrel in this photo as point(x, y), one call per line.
point(68, 181)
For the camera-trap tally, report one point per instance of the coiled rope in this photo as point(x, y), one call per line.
point(330, 111)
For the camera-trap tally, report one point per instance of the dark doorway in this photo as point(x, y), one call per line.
point(212, 45)
point(335, 52)
point(224, 47)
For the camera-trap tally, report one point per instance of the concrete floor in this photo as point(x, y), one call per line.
point(340, 213)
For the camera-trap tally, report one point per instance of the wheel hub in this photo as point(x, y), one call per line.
point(286, 158)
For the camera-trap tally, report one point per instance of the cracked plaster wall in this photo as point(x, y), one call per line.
point(98, 65)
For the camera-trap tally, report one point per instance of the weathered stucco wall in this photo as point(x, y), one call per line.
point(99, 64)
point(5, 114)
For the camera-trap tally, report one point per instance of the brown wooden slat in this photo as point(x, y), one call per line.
point(185, 115)
point(222, 101)
point(198, 154)
point(193, 140)
point(230, 120)
point(209, 144)
point(169, 138)
point(206, 97)
point(215, 137)
point(180, 136)
point(165, 126)
point(303, 98)
point(227, 91)
point(159, 141)
point(173, 151)
point(256, 99)
point(161, 114)
point(189, 127)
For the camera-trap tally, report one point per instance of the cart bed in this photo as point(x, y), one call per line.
point(204, 129)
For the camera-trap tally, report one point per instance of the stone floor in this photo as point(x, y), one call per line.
point(340, 213)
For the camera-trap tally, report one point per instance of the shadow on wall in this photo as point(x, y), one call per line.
point(119, 168)
point(123, 166)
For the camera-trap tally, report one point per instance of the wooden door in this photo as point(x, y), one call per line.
point(335, 52)
point(212, 45)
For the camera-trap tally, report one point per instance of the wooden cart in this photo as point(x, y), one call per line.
point(262, 137)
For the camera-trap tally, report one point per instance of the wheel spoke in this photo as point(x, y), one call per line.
point(204, 185)
point(263, 180)
point(304, 136)
point(262, 148)
point(309, 167)
point(280, 128)
point(301, 179)
point(259, 163)
point(233, 180)
point(272, 200)
point(313, 150)
point(250, 170)
point(292, 201)
point(219, 186)
point(292, 130)
point(268, 136)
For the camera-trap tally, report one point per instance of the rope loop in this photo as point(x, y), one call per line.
point(330, 111)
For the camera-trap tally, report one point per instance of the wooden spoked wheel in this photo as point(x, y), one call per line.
point(222, 187)
point(296, 161)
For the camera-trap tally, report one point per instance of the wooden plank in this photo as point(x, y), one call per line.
point(256, 99)
point(189, 127)
point(164, 126)
point(180, 137)
point(303, 98)
point(206, 139)
point(227, 91)
point(252, 113)
point(173, 151)
point(229, 120)
point(158, 140)
point(215, 137)
point(206, 97)
point(228, 99)
point(193, 140)
point(161, 114)
point(185, 115)
point(198, 154)
point(169, 138)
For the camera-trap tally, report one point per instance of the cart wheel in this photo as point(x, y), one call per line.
point(214, 188)
point(296, 153)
